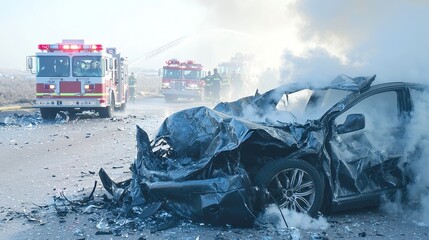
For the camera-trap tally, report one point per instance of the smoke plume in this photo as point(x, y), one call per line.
point(417, 153)
point(361, 38)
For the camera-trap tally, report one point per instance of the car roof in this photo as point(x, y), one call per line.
point(397, 85)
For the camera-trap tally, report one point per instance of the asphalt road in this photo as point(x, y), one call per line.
point(40, 162)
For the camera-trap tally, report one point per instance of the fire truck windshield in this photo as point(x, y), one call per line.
point(88, 66)
point(172, 73)
point(192, 74)
point(53, 66)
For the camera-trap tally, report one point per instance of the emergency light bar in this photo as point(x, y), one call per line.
point(70, 47)
point(172, 61)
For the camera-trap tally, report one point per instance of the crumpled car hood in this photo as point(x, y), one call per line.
point(188, 140)
point(199, 152)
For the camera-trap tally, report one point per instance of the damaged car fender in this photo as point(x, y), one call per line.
point(219, 201)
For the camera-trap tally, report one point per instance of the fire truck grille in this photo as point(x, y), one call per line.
point(177, 85)
point(70, 87)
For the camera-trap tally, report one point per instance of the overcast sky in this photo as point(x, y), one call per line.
point(304, 38)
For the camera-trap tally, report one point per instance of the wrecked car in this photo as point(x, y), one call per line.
point(302, 147)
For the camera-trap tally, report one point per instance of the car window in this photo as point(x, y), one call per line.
point(310, 104)
point(380, 111)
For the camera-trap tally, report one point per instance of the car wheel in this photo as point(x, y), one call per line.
point(293, 184)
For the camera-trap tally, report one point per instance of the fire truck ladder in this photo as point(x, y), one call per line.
point(160, 50)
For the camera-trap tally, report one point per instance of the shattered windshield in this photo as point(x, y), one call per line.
point(53, 66)
point(307, 104)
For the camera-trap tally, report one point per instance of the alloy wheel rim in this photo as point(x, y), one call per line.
point(293, 189)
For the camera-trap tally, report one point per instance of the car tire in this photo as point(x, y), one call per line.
point(291, 183)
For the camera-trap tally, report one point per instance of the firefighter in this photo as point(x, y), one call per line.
point(216, 80)
point(208, 86)
point(94, 69)
point(132, 87)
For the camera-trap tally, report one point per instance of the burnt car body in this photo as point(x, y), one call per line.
point(301, 147)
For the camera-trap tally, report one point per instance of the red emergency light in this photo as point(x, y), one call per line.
point(97, 47)
point(173, 61)
point(43, 47)
point(70, 47)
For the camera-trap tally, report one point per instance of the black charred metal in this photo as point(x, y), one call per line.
point(203, 162)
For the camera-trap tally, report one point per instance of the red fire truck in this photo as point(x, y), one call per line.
point(73, 76)
point(182, 79)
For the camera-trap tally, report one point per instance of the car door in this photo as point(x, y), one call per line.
point(367, 160)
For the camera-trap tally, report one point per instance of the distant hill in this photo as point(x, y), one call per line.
point(16, 87)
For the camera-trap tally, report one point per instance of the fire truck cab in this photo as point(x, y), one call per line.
point(73, 76)
point(182, 79)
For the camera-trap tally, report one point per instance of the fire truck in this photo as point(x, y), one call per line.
point(182, 79)
point(73, 76)
point(239, 75)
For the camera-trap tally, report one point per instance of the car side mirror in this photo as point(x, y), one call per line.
point(353, 123)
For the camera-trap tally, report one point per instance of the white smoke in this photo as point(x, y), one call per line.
point(293, 219)
point(317, 41)
point(361, 38)
point(417, 153)
point(263, 29)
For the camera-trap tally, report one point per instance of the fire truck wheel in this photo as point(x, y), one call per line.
point(72, 114)
point(48, 113)
point(123, 107)
point(107, 112)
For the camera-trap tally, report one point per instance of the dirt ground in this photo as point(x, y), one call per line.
point(41, 161)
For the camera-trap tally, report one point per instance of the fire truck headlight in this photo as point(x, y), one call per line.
point(166, 85)
point(89, 86)
point(51, 86)
point(193, 85)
